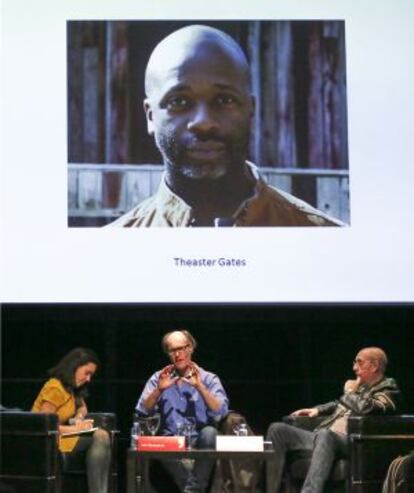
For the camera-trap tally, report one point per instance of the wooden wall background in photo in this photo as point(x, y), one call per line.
point(298, 80)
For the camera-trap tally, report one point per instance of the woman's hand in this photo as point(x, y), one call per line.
point(77, 425)
point(84, 424)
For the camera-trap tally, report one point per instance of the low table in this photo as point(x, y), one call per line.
point(137, 463)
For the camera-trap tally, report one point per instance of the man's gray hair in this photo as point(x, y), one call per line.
point(190, 338)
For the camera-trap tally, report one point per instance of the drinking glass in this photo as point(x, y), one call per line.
point(239, 425)
point(153, 423)
point(189, 427)
point(180, 429)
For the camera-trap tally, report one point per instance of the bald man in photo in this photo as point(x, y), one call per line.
point(199, 108)
point(371, 392)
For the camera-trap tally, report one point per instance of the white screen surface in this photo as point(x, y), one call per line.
point(44, 261)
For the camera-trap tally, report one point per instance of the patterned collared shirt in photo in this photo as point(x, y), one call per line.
point(268, 206)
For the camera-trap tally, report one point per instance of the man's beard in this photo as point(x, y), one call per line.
point(178, 161)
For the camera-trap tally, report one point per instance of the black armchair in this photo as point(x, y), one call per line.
point(374, 441)
point(31, 461)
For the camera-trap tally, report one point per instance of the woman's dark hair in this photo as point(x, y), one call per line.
point(67, 366)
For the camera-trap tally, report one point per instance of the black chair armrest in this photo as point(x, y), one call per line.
point(362, 425)
point(304, 422)
point(374, 442)
point(107, 421)
point(22, 422)
point(381, 425)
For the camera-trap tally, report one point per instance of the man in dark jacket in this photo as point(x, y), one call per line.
point(370, 393)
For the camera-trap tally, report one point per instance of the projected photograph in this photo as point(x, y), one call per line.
point(207, 124)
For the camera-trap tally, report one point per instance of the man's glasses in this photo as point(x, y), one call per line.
point(180, 349)
point(362, 361)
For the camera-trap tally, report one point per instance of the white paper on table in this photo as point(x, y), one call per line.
point(231, 443)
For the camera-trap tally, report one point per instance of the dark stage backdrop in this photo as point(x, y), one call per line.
point(271, 359)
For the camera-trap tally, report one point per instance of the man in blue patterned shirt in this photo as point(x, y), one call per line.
point(181, 393)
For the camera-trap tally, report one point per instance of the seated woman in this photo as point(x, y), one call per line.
point(64, 394)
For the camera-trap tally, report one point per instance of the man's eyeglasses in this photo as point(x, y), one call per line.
point(362, 361)
point(180, 349)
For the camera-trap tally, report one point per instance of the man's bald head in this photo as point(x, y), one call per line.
point(191, 44)
point(376, 355)
point(199, 105)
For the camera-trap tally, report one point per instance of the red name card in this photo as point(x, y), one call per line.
point(160, 443)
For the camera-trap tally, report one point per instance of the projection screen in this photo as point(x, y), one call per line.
point(369, 259)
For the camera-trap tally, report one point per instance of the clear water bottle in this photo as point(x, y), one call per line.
point(243, 432)
point(135, 432)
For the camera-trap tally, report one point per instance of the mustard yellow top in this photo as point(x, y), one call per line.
point(55, 393)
